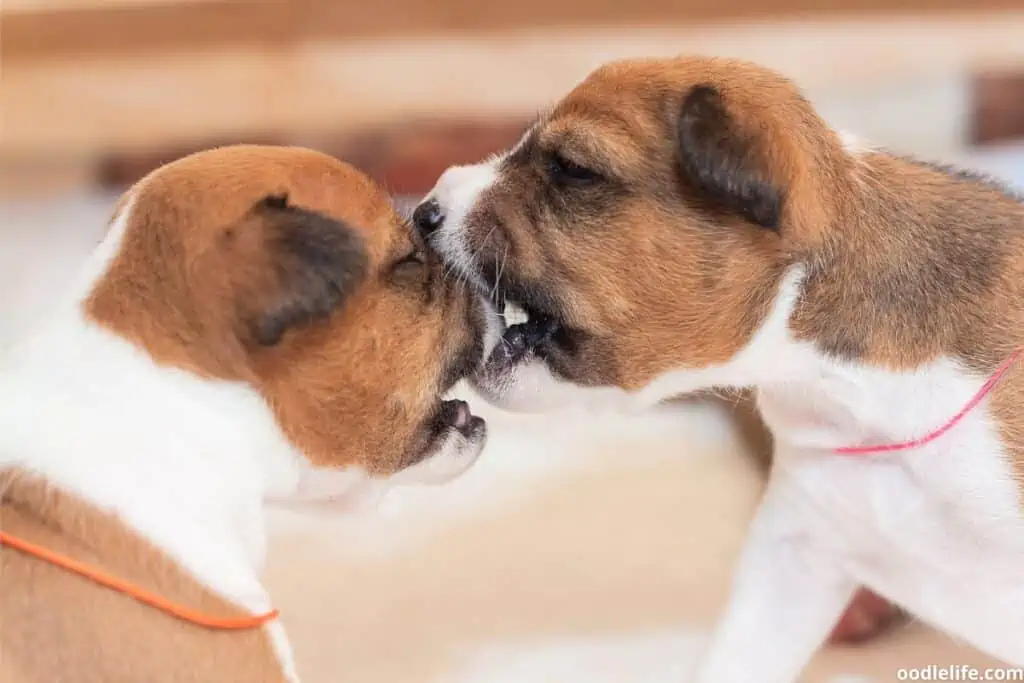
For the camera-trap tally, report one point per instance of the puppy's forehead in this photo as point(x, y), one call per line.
point(635, 87)
point(627, 110)
point(617, 111)
point(645, 86)
point(213, 189)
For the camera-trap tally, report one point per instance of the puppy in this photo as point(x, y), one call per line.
point(675, 225)
point(258, 323)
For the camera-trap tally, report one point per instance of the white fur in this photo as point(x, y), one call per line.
point(531, 387)
point(938, 529)
point(185, 462)
point(457, 190)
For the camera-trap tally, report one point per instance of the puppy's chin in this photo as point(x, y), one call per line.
point(511, 376)
point(457, 438)
point(525, 386)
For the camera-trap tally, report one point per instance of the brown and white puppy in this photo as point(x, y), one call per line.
point(258, 323)
point(674, 225)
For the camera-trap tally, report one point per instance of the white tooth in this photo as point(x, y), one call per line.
point(515, 314)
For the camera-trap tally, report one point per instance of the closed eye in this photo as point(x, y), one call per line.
point(565, 171)
point(414, 257)
point(410, 269)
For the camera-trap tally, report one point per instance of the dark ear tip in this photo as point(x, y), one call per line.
point(269, 332)
point(275, 201)
point(702, 99)
point(723, 162)
point(317, 262)
point(703, 91)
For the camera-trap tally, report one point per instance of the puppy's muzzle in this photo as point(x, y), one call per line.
point(455, 414)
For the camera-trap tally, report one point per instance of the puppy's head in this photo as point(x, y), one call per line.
point(290, 271)
point(643, 225)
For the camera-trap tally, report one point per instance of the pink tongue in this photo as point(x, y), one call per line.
point(462, 415)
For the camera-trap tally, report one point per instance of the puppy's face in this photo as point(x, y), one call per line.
point(643, 225)
point(290, 271)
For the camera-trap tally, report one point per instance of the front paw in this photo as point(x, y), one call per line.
point(867, 616)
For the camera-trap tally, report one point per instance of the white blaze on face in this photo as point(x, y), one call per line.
point(457, 192)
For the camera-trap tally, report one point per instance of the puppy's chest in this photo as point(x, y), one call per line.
point(931, 539)
point(892, 513)
point(921, 525)
point(963, 469)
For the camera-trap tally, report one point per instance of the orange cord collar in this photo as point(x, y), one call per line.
point(128, 588)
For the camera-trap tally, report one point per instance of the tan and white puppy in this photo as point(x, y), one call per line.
point(678, 224)
point(258, 323)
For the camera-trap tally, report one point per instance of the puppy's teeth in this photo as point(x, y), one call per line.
point(515, 315)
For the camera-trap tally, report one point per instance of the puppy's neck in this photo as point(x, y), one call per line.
point(924, 263)
point(185, 462)
point(901, 315)
point(814, 401)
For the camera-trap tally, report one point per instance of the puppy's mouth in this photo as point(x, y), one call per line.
point(455, 415)
point(526, 332)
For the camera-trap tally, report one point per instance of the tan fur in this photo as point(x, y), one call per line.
point(194, 217)
point(281, 268)
point(55, 625)
point(1006, 405)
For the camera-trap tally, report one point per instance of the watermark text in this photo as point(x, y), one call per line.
point(959, 672)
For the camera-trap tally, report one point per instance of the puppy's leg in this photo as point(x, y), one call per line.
point(868, 614)
point(786, 597)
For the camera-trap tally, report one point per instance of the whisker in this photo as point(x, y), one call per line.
point(500, 269)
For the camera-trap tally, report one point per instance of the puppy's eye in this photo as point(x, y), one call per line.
point(411, 262)
point(567, 172)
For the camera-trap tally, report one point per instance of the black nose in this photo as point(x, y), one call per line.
point(428, 217)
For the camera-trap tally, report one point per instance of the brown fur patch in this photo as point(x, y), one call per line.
point(291, 271)
point(921, 264)
point(1007, 400)
point(57, 626)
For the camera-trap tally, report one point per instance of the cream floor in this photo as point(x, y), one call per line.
point(582, 547)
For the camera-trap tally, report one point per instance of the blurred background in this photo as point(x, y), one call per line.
point(568, 531)
point(95, 93)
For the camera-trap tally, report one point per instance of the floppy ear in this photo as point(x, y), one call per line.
point(310, 263)
point(726, 161)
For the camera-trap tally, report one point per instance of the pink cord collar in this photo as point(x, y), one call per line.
point(986, 388)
